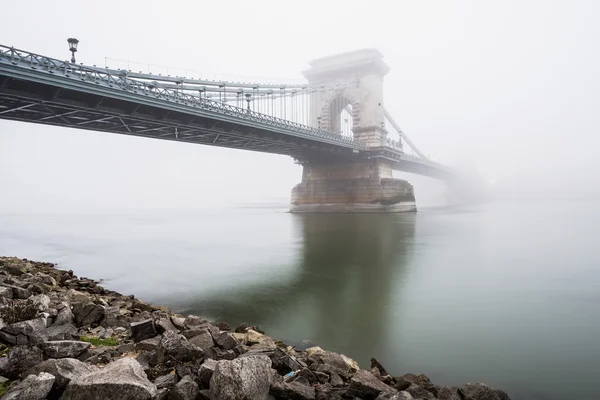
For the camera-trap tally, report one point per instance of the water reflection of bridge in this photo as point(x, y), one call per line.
point(349, 268)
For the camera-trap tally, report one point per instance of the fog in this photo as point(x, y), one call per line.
point(508, 89)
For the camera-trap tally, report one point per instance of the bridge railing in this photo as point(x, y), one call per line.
point(121, 81)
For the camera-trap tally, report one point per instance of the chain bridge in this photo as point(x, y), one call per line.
point(335, 124)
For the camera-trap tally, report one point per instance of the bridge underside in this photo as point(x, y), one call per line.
point(29, 101)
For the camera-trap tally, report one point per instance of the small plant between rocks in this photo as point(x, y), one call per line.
point(96, 341)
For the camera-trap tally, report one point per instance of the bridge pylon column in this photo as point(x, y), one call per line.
point(351, 186)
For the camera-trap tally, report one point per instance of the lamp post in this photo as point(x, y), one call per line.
point(73, 47)
point(248, 99)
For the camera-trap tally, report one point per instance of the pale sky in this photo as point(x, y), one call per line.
point(509, 88)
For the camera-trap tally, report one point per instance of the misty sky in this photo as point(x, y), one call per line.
point(508, 88)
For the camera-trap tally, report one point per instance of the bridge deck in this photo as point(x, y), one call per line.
point(43, 90)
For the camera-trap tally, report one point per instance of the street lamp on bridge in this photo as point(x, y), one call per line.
point(248, 99)
point(73, 47)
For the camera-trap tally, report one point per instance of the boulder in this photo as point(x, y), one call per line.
point(61, 332)
point(186, 389)
point(6, 292)
point(396, 396)
point(419, 392)
point(19, 360)
point(192, 321)
point(327, 361)
point(175, 347)
point(148, 344)
point(299, 389)
point(17, 292)
point(206, 372)
point(283, 362)
point(143, 330)
point(449, 393)
point(366, 386)
point(165, 381)
point(32, 331)
point(87, 313)
point(64, 348)
point(246, 378)
point(403, 383)
point(33, 387)
point(122, 379)
point(219, 354)
point(65, 315)
point(64, 370)
point(41, 302)
point(479, 391)
point(336, 380)
point(178, 321)
point(201, 338)
point(164, 324)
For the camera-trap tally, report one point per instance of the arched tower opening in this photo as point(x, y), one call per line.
point(342, 119)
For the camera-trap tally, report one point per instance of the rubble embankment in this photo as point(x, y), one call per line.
point(69, 338)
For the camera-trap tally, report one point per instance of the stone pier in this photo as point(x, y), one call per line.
point(363, 186)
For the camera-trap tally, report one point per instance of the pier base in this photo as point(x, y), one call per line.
point(363, 186)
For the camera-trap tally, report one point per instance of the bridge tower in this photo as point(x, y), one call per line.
point(350, 84)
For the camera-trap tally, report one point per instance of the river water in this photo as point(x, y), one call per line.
point(506, 294)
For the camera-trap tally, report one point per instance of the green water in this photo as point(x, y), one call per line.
point(505, 294)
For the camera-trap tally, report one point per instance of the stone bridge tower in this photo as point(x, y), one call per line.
point(350, 81)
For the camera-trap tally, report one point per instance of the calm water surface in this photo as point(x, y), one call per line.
point(506, 294)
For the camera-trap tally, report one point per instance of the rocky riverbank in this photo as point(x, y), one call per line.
point(65, 337)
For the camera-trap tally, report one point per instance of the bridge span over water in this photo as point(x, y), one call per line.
point(335, 124)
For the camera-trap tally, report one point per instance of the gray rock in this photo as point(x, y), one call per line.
point(419, 392)
point(396, 396)
point(206, 371)
point(336, 380)
point(148, 344)
point(186, 389)
point(201, 338)
point(166, 381)
point(175, 347)
point(449, 393)
point(61, 332)
point(32, 331)
point(33, 387)
point(479, 391)
point(143, 330)
point(64, 348)
point(6, 292)
point(19, 360)
point(87, 313)
point(226, 341)
point(161, 394)
point(47, 279)
point(246, 378)
point(119, 380)
point(328, 361)
point(164, 324)
point(126, 348)
point(366, 386)
point(64, 370)
point(178, 321)
point(193, 320)
point(299, 389)
point(65, 316)
point(284, 363)
point(17, 292)
point(219, 354)
point(41, 301)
